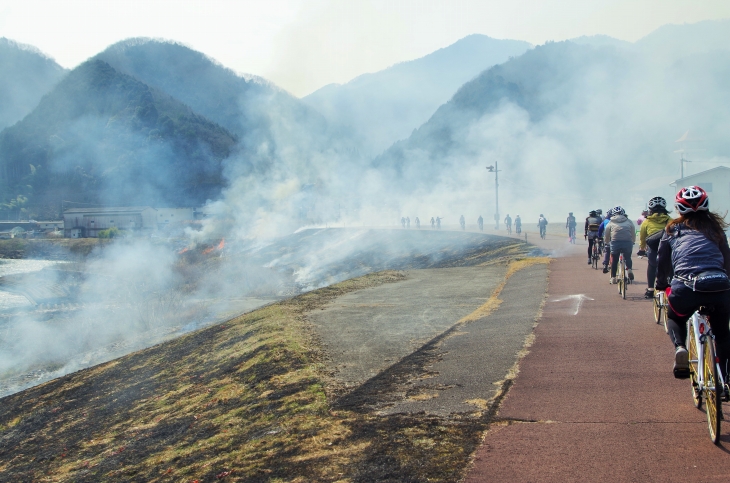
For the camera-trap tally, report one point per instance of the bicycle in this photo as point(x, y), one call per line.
point(571, 235)
point(660, 309)
point(622, 276)
point(542, 232)
point(596, 253)
point(704, 370)
point(509, 229)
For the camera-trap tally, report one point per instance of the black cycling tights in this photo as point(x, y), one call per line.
point(686, 301)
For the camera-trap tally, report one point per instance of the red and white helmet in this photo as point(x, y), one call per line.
point(691, 199)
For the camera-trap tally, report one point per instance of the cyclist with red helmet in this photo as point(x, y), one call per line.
point(694, 253)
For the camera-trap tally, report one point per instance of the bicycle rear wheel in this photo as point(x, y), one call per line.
point(713, 391)
point(625, 282)
point(657, 308)
point(665, 312)
point(694, 376)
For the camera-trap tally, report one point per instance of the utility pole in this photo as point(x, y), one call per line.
point(681, 163)
point(495, 169)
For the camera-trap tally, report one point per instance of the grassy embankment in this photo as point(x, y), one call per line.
point(245, 401)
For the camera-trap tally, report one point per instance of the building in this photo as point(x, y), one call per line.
point(716, 182)
point(88, 222)
point(169, 216)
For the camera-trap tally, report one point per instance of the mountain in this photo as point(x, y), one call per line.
point(101, 136)
point(26, 75)
point(568, 122)
point(385, 106)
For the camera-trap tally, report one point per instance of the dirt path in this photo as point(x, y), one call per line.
point(595, 399)
point(439, 342)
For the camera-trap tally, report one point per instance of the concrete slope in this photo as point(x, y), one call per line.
point(595, 399)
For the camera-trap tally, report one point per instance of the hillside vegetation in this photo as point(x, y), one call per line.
point(104, 137)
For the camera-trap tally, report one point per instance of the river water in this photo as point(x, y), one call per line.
point(14, 267)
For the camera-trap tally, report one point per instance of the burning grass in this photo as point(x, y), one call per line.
point(246, 400)
point(242, 401)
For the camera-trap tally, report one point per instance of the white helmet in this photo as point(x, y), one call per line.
point(657, 201)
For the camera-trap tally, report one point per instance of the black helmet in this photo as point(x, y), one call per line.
point(592, 213)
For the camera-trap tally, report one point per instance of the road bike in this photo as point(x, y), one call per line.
point(509, 229)
point(660, 308)
point(622, 276)
point(596, 253)
point(542, 232)
point(571, 235)
point(704, 370)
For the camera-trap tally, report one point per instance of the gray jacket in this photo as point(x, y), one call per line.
point(620, 228)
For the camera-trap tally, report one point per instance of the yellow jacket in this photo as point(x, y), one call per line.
point(652, 224)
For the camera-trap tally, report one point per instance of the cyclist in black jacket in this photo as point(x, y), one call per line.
point(693, 247)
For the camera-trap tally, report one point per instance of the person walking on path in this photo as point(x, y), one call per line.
point(480, 222)
point(462, 222)
point(620, 233)
point(433, 223)
point(694, 252)
point(418, 223)
point(650, 233)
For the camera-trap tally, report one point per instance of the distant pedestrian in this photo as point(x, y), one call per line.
point(403, 221)
point(433, 223)
point(418, 222)
point(462, 222)
point(480, 222)
point(408, 221)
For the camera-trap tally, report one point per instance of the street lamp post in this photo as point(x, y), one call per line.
point(495, 169)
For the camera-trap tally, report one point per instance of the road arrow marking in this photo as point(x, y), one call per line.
point(578, 300)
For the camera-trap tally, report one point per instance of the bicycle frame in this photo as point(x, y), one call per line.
point(701, 328)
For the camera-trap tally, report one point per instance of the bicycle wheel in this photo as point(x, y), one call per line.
point(694, 376)
point(625, 278)
point(713, 391)
point(665, 312)
point(657, 308)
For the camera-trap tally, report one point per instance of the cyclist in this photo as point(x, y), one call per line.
point(606, 248)
point(438, 222)
point(620, 232)
point(518, 224)
point(570, 224)
point(480, 222)
point(593, 222)
point(462, 222)
point(600, 214)
point(508, 224)
point(650, 233)
point(542, 224)
point(403, 221)
point(433, 223)
point(408, 221)
point(693, 245)
point(418, 223)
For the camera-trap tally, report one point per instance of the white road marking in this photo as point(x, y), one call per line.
point(578, 298)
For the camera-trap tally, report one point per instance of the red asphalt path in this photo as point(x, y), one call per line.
point(595, 399)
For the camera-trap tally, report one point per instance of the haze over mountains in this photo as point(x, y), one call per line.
point(155, 122)
point(26, 75)
point(386, 106)
point(571, 123)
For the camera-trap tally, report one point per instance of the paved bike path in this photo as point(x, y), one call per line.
point(595, 399)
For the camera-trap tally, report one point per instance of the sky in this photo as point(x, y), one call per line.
point(302, 45)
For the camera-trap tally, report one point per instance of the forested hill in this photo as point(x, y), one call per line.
point(101, 136)
point(270, 123)
point(25, 76)
point(385, 106)
point(563, 110)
